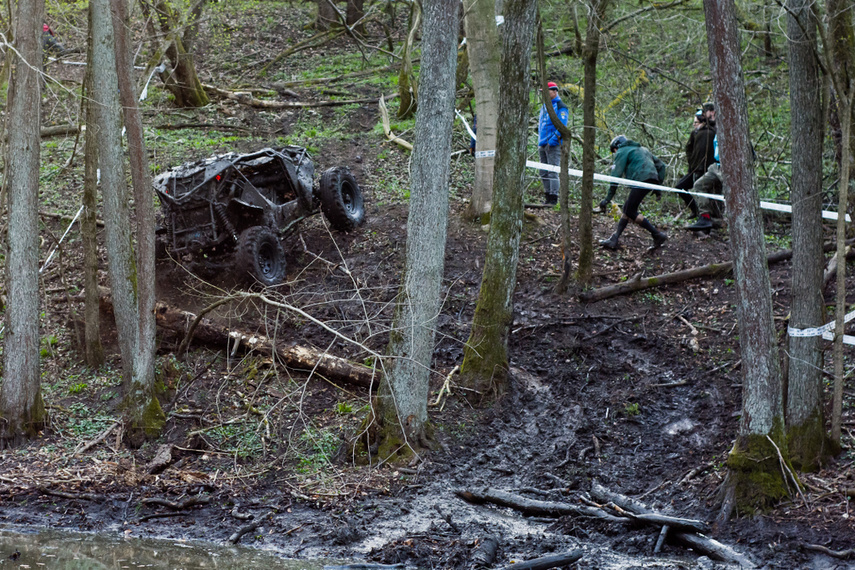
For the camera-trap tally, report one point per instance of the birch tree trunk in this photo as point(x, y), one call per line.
point(22, 411)
point(124, 271)
point(754, 478)
point(806, 436)
point(140, 404)
point(482, 41)
point(485, 360)
point(400, 409)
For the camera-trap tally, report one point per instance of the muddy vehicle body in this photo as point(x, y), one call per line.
point(241, 205)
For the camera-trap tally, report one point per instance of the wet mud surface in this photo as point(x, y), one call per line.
point(621, 391)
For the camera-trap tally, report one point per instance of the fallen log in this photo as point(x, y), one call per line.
point(247, 98)
point(700, 543)
point(485, 553)
point(633, 285)
point(176, 321)
point(535, 507)
point(546, 562)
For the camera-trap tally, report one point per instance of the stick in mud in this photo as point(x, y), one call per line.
point(554, 561)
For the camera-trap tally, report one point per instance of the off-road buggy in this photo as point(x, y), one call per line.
point(241, 204)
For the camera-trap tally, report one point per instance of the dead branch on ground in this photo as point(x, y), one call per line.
point(707, 546)
point(247, 98)
point(710, 270)
point(384, 117)
point(547, 562)
point(174, 320)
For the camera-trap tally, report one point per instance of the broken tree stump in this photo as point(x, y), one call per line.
point(175, 321)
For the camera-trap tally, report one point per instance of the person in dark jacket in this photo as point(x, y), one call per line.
point(635, 162)
point(699, 155)
point(549, 144)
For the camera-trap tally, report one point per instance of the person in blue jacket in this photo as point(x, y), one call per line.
point(549, 144)
point(634, 162)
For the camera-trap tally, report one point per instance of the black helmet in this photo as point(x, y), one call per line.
point(617, 142)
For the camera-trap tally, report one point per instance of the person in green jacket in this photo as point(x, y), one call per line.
point(635, 162)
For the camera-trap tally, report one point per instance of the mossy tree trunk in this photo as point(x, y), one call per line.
point(400, 408)
point(807, 438)
point(180, 79)
point(408, 88)
point(484, 50)
point(754, 478)
point(22, 411)
point(145, 417)
point(485, 360)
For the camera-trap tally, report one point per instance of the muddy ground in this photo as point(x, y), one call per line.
point(639, 392)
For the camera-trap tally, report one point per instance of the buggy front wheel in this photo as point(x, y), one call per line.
point(260, 256)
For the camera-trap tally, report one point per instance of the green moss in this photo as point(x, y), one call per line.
point(144, 418)
point(755, 473)
point(809, 444)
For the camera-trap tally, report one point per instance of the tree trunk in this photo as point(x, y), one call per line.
point(181, 79)
point(806, 436)
point(400, 409)
point(841, 35)
point(485, 360)
point(841, 44)
point(124, 269)
point(754, 478)
point(327, 16)
point(590, 52)
point(407, 86)
point(353, 13)
point(22, 411)
point(140, 402)
point(482, 45)
point(93, 349)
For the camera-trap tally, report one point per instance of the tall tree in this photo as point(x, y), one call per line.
point(754, 478)
point(807, 439)
point(590, 53)
point(401, 422)
point(485, 360)
point(140, 403)
point(482, 45)
point(124, 265)
point(22, 411)
point(94, 349)
point(840, 47)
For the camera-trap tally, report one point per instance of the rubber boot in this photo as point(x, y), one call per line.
point(612, 242)
point(658, 237)
point(704, 224)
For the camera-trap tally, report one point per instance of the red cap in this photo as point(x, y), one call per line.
point(552, 85)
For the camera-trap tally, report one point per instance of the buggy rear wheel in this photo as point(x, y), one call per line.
point(341, 199)
point(260, 255)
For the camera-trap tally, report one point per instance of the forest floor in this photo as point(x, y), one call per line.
point(639, 392)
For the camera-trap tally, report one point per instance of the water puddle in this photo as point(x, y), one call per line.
point(61, 550)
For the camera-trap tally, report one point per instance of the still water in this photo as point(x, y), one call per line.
point(55, 550)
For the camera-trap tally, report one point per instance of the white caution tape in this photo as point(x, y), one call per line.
point(826, 331)
point(485, 153)
point(613, 179)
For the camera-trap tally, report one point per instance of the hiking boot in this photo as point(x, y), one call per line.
point(704, 224)
point(550, 200)
point(612, 242)
point(658, 239)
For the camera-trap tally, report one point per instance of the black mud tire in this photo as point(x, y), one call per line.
point(341, 199)
point(259, 256)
